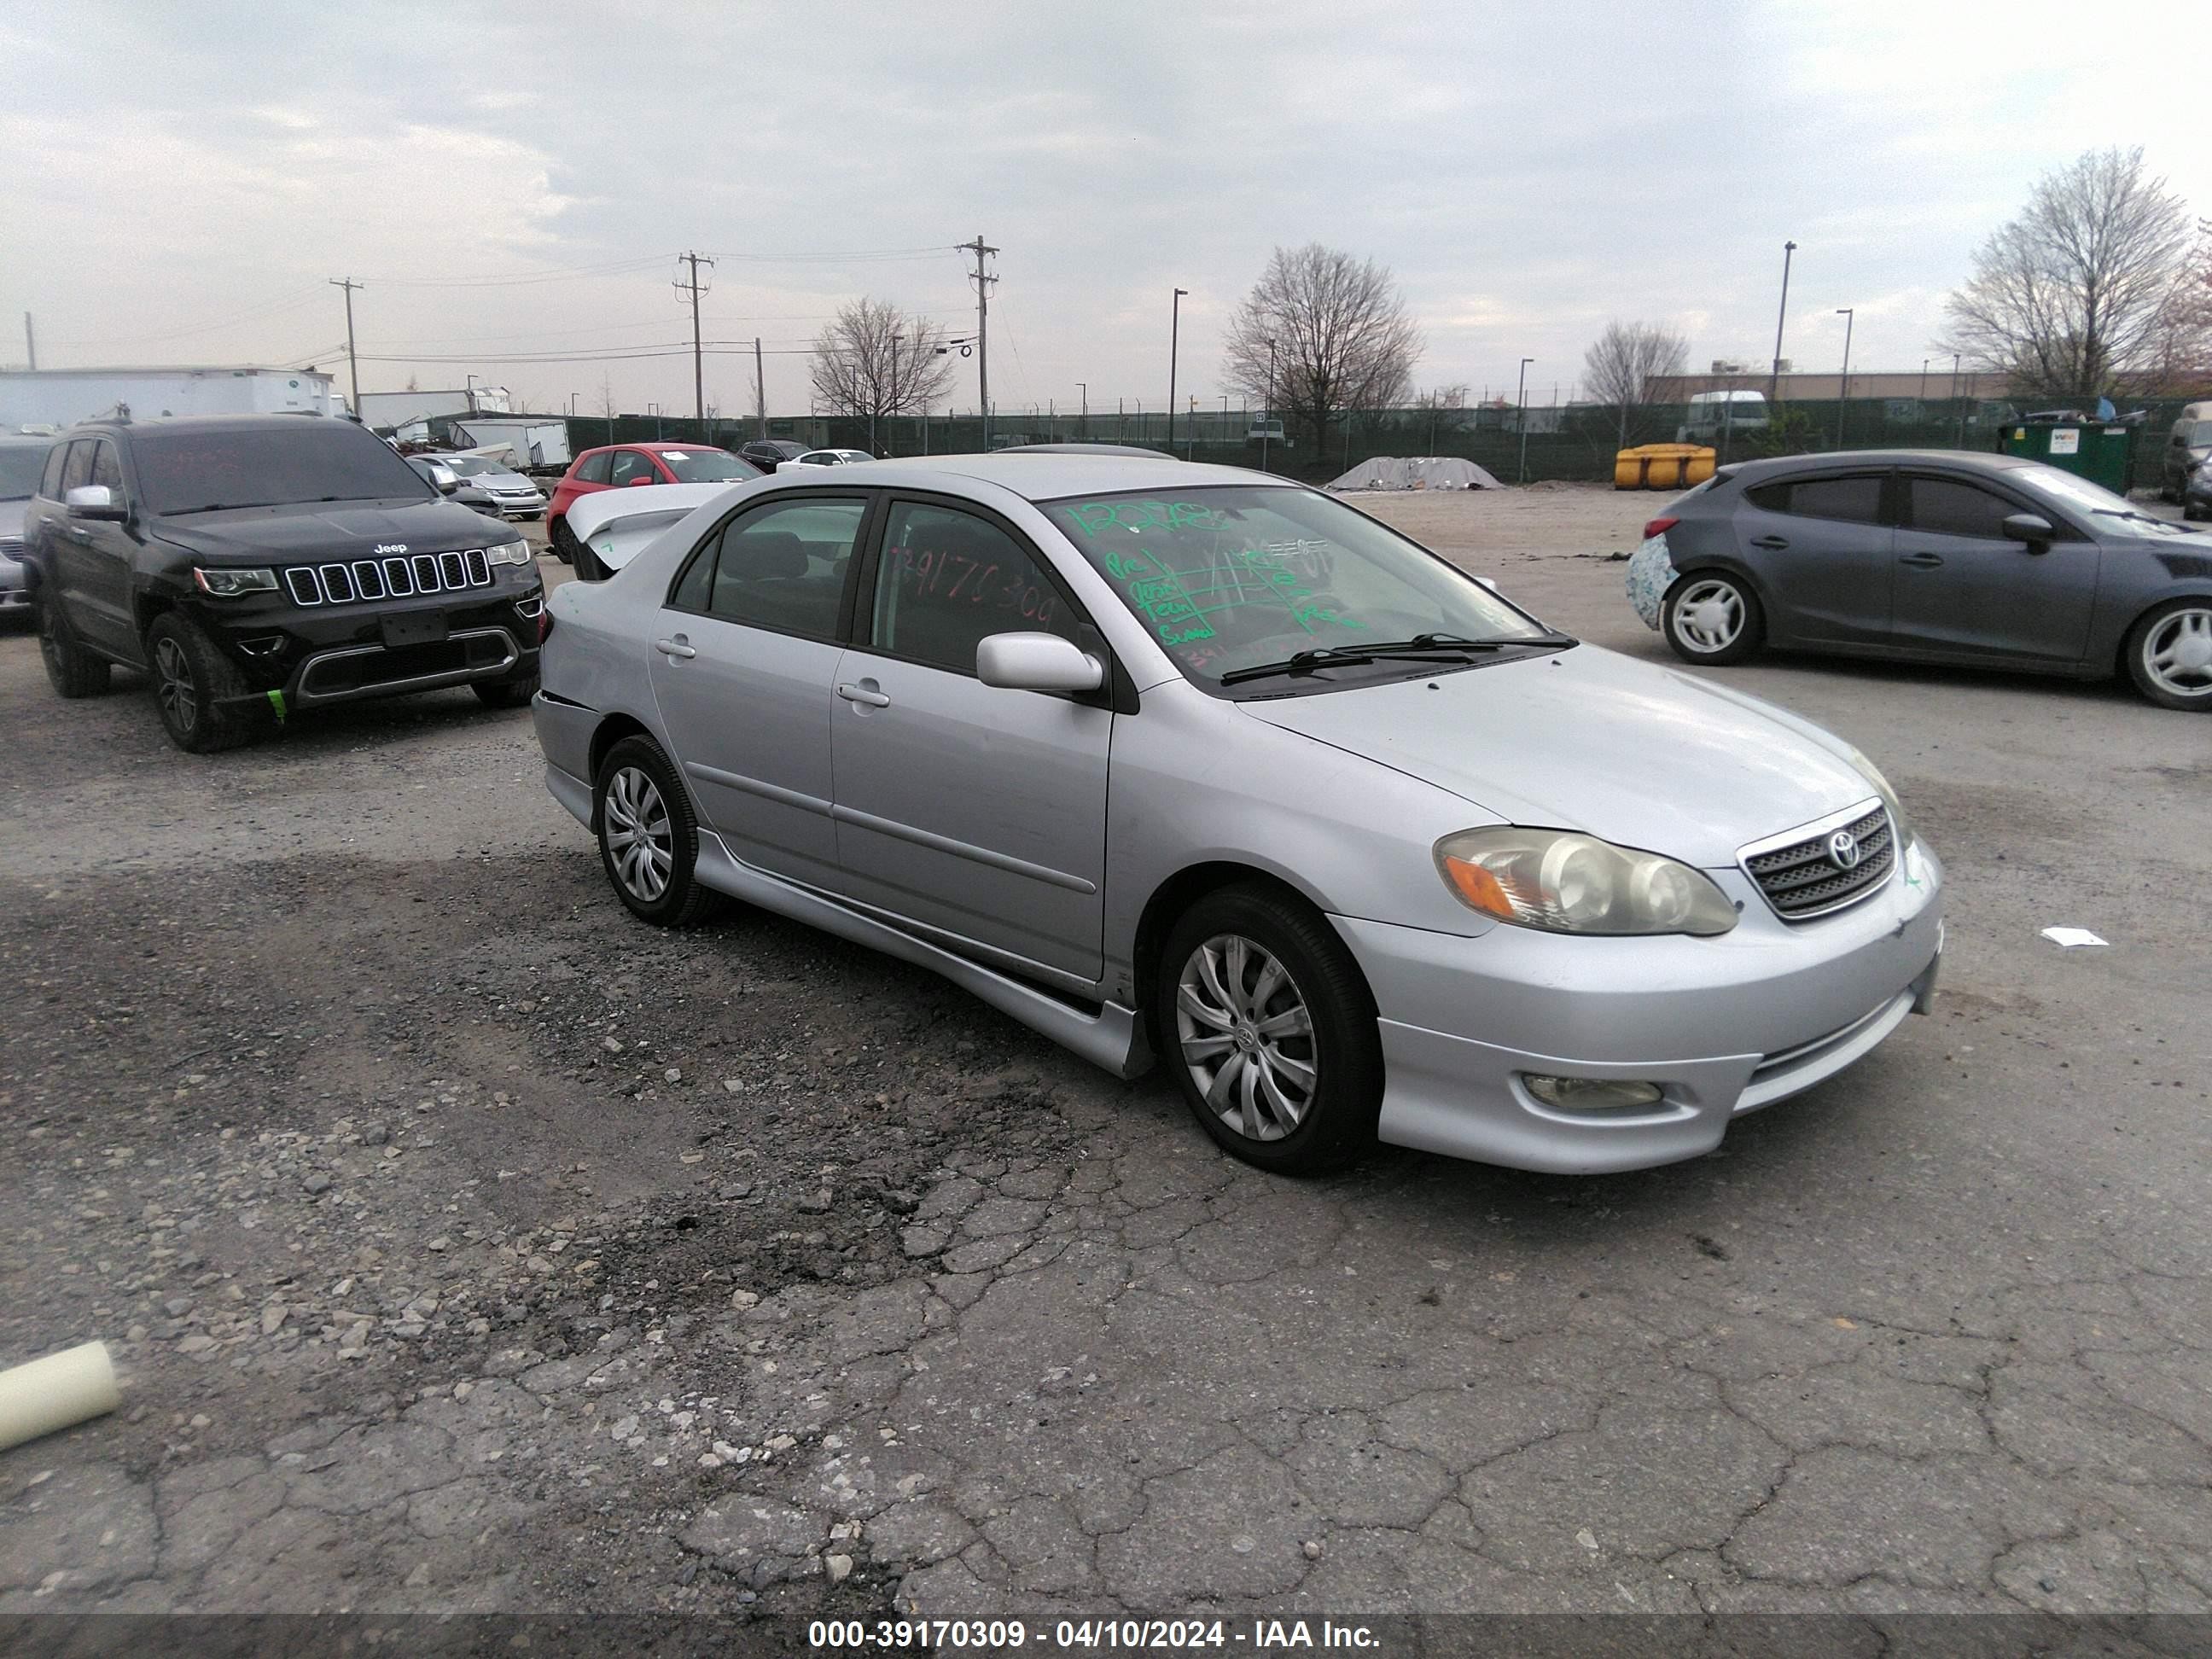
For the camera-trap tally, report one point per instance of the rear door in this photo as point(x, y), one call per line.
point(1964, 588)
point(1820, 546)
point(744, 664)
point(973, 810)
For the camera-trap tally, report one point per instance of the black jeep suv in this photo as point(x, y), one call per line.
point(256, 564)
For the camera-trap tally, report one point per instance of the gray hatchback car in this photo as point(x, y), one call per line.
point(1976, 561)
point(1187, 761)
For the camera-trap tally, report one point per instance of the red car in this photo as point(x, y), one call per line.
point(618, 466)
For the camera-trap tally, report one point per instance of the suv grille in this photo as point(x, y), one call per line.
point(379, 579)
point(1802, 874)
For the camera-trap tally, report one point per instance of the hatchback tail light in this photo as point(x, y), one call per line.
point(545, 622)
point(1659, 528)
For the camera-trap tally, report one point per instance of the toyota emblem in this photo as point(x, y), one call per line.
point(1844, 850)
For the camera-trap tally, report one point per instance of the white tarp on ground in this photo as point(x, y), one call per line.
point(1416, 472)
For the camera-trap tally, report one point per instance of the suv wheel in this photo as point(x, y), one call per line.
point(649, 836)
point(1711, 617)
point(74, 670)
point(1269, 1028)
point(201, 697)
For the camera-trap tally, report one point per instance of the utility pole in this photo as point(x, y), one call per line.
point(1520, 418)
point(1083, 426)
point(353, 362)
point(760, 390)
point(1774, 379)
point(979, 247)
point(698, 357)
point(1175, 329)
point(30, 342)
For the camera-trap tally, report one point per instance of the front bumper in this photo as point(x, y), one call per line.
point(1723, 1025)
point(330, 654)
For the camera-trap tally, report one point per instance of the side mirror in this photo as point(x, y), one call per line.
point(94, 502)
point(2029, 527)
point(1037, 662)
point(642, 478)
point(446, 479)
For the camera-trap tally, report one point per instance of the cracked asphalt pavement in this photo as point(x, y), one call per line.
point(465, 1245)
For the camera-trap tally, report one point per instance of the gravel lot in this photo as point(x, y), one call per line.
point(468, 1245)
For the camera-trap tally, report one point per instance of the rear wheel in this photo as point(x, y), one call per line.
point(1711, 617)
point(73, 671)
point(1269, 1028)
point(201, 694)
point(2169, 654)
point(648, 837)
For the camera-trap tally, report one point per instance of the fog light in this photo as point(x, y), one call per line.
point(1590, 1094)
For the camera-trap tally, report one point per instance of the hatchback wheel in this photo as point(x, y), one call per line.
point(1711, 617)
point(561, 540)
point(204, 700)
point(1269, 1028)
point(2169, 654)
point(73, 671)
point(649, 836)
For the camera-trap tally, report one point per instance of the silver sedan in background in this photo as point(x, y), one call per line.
point(21, 460)
point(1195, 762)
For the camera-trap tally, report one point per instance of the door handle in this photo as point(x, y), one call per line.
point(1773, 544)
point(851, 693)
point(674, 648)
point(78, 533)
point(1922, 560)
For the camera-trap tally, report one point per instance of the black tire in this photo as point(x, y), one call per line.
point(680, 900)
point(198, 692)
point(505, 694)
point(1682, 616)
point(73, 671)
point(2155, 635)
point(560, 541)
point(584, 562)
point(1342, 1051)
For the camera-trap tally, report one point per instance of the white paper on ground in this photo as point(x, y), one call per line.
point(2067, 937)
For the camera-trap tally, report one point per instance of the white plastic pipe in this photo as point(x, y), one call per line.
point(53, 1393)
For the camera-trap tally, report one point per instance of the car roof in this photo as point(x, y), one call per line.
point(161, 424)
point(1048, 475)
point(1847, 460)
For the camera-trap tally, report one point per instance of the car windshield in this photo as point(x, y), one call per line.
point(1237, 577)
point(19, 466)
point(706, 465)
point(2069, 489)
point(183, 470)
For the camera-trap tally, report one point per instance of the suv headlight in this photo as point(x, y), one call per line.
point(1898, 822)
point(1563, 882)
point(234, 584)
point(514, 552)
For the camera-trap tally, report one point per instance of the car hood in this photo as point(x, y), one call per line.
point(1589, 740)
point(340, 530)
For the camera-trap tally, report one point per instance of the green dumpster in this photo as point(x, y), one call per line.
point(2102, 452)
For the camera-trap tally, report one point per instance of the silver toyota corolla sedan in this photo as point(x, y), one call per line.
point(1193, 762)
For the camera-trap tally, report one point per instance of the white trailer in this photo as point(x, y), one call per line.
point(58, 397)
point(537, 442)
point(383, 411)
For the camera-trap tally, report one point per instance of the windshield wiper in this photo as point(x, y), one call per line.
point(1422, 648)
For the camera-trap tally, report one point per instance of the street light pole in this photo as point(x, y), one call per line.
point(1844, 391)
point(1083, 421)
point(1175, 330)
point(1774, 379)
point(1959, 441)
point(1268, 415)
point(1521, 417)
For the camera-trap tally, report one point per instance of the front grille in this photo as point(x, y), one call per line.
point(388, 579)
point(1801, 877)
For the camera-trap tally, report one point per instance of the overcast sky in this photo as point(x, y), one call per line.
point(178, 183)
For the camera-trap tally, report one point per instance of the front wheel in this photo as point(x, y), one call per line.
point(561, 541)
point(649, 836)
point(202, 696)
point(2169, 654)
point(1269, 1028)
point(1711, 617)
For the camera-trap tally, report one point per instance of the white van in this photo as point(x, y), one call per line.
point(1712, 413)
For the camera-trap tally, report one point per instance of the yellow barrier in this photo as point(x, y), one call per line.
point(1661, 466)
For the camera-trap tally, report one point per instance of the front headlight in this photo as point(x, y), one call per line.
point(514, 552)
point(1897, 818)
point(1563, 882)
point(232, 584)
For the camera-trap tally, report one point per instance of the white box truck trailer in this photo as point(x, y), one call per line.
point(57, 397)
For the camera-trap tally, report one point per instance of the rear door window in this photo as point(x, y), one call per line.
point(782, 566)
point(1854, 499)
point(1952, 506)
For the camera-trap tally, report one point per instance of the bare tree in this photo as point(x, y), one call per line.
point(1320, 334)
point(1619, 367)
point(2087, 291)
point(873, 362)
